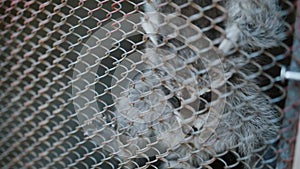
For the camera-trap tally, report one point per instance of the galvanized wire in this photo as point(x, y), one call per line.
point(50, 48)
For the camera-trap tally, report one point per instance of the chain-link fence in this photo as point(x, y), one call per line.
point(148, 84)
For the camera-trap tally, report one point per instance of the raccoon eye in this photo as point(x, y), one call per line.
point(250, 26)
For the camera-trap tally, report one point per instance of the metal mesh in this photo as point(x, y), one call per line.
point(140, 84)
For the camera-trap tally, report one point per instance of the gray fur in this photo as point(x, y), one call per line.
point(258, 23)
point(248, 120)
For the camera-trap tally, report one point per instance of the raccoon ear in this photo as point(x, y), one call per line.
point(151, 20)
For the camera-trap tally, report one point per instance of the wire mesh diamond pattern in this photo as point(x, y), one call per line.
point(147, 84)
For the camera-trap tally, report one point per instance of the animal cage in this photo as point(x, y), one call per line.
point(149, 84)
